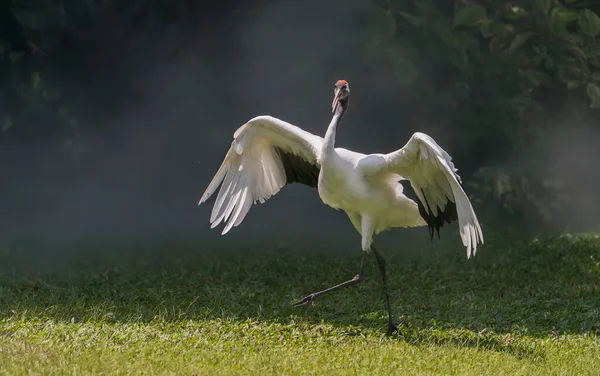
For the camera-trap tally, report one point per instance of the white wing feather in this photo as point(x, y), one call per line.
point(434, 179)
point(252, 169)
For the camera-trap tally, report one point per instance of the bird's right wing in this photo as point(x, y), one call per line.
point(432, 175)
point(266, 154)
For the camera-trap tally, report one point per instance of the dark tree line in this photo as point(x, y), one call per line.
point(500, 72)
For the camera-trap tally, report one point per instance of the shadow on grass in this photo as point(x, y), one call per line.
point(540, 289)
point(487, 341)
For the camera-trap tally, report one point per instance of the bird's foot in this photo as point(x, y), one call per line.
point(306, 301)
point(392, 327)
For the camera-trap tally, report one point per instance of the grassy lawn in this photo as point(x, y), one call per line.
point(530, 307)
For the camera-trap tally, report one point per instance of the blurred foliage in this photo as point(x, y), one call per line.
point(514, 188)
point(31, 32)
point(494, 72)
point(501, 70)
point(82, 37)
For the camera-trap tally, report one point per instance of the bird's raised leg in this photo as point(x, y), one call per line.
point(308, 300)
point(392, 325)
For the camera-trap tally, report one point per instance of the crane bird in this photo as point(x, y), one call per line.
point(268, 153)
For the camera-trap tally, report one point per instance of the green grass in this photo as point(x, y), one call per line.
point(516, 308)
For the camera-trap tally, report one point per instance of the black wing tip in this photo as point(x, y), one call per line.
point(435, 222)
point(298, 170)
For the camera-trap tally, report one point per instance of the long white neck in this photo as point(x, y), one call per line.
point(329, 141)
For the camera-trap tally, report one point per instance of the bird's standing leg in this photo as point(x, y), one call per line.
point(367, 229)
point(392, 325)
point(308, 300)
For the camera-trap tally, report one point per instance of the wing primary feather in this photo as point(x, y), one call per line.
point(233, 202)
point(247, 203)
point(240, 204)
point(216, 181)
point(228, 200)
point(224, 193)
point(266, 154)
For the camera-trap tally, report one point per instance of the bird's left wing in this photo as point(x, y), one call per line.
point(432, 175)
point(266, 154)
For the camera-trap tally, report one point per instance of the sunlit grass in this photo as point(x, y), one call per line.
point(516, 308)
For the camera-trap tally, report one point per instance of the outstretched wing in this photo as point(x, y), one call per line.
point(433, 177)
point(266, 154)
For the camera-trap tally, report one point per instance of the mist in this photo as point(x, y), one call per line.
point(142, 172)
point(144, 176)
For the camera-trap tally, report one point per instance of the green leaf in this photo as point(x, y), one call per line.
point(35, 79)
point(514, 12)
point(569, 72)
point(593, 91)
point(537, 78)
point(519, 40)
point(589, 23)
point(491, 28)
point(486, 28)
point(543, 6)
point(559, 20)
point(578, 53)
point(564, 16)
point(509, 28)
point(572, 84)
point(496, 44)
point(469, 15)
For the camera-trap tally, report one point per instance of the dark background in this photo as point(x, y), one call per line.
point(137, 101)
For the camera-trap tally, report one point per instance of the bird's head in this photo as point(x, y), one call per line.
point(340, 94)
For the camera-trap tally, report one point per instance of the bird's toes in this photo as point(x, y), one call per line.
point(392, 327)
point(305, 302)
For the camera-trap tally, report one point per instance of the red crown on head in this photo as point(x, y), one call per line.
point(342, 82)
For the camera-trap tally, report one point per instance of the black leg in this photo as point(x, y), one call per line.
point(308, 300)
point(392, 326)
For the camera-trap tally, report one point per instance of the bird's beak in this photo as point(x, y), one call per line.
point(336, 99)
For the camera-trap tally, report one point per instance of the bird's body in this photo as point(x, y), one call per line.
point(344, 184)
point(268, 153)
point(345, 179)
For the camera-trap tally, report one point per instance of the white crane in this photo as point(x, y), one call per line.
point(268, 153)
